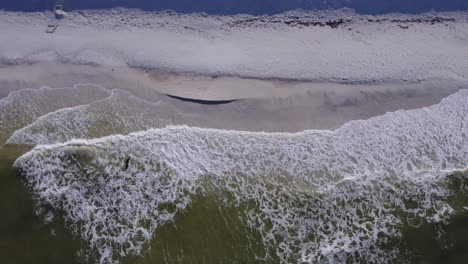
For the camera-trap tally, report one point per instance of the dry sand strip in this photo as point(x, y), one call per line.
point(296, 45)
point(260, 105)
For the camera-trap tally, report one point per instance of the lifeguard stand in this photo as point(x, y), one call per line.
point(58, 11)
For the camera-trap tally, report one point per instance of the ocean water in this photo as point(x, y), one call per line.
point(206, 232)
point(21, 108)
point(388, 189)
point(23, 237)
point(119, 113)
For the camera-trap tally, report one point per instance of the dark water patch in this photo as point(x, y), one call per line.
point(24, 238)
point(211, 232)
point(207, 232)
point(436, 242)
point(441, 242)
point(203, 102)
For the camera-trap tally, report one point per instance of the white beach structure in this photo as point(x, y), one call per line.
point(58, 11)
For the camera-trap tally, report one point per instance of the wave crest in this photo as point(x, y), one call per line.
point(318, 196)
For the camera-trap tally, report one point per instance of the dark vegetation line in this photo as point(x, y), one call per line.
point(254, 7)
point(204, 102)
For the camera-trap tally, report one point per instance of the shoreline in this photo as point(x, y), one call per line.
point(250, 104)
point(187, 85)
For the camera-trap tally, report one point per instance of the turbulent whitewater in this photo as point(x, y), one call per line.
point(20, 108)
point(314, 196)
point(120, 113)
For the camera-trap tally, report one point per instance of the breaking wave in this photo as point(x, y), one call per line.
point(314, 196)
point(21, 108)
point(120, 113)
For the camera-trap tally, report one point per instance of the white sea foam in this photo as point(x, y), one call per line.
point(120, 113)
point(319, 196)
point(20, 108)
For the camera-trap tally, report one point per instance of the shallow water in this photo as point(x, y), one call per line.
point(387, 189)
point(207, 232)
point(23, 237)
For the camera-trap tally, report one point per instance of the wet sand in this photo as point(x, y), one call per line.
point(249, 104)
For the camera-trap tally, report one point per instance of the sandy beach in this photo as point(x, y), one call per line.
point(258, 104)
point(309, 136)
point(287, 72)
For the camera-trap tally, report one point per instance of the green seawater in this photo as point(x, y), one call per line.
point(23, 237)
point(206, 232)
